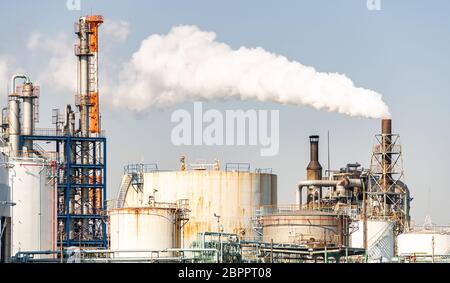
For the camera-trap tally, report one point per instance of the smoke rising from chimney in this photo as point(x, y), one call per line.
point(188, 63)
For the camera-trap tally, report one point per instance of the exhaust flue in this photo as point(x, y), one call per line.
point(314, 169)
point(386, 143)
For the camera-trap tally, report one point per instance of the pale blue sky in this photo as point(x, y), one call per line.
point(401, 51)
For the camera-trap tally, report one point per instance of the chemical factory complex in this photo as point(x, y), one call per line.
point(53, 204)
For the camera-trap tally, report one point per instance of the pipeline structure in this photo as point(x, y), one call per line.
point(70, 160)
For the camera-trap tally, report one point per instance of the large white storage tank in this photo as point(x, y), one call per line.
point(424, 243)
point(380, 240)
point(5, 210)
point(232, 196)
point(143, 228)
point(34, 213)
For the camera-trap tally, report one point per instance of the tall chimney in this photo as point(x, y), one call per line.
point(314, 170)
point(386, 161)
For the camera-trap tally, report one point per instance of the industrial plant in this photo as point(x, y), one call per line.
point(53, 205)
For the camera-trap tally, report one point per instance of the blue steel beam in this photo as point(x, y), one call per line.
point(67, 192)
point(79, 216)
point(62, 138)
point(80, 186)
point(104, 195)
point(67, 186)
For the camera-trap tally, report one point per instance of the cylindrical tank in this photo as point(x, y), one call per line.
point(423, 243)
point(5, 210)
point(142, 228)
point(314, 228)
point(380, 240)
point(218, 200)
point(34, 212)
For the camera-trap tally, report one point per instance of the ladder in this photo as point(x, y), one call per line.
point(93, 74)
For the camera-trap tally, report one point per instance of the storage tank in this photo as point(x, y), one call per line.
point(423, 243)
point(142, 228)
point(218, 200)
point(380, 240)
point(314, 228)
point(34, 215)
point(5, 210)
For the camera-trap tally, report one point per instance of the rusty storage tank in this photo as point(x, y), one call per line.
point(218, 200)
point(142, 228)
point(311, 227)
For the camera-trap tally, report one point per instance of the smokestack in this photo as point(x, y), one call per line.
point(314, 169)
point(386, 142)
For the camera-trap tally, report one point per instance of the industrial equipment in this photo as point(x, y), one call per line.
point(75, 172)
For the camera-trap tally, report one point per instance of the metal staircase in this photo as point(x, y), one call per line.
point(381, 248)
point(124, 185)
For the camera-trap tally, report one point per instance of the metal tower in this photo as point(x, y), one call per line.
point(80, 151)
point(388, 196)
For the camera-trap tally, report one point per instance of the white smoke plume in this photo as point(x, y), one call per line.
point(189, 63)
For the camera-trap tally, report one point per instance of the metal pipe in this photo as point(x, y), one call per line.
point(15, 77)
point(14, 114)
point(344, 182)
point(14, 124)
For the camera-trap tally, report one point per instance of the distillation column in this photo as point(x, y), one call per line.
point(88, 103)
point(14, 114)
point(82, 51)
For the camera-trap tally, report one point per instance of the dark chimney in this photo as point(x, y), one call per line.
point(314, 170)
point(386, 144)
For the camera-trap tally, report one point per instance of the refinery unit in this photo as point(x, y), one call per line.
point(53, 205)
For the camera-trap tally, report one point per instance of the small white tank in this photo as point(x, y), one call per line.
point(142, 228)
point(423, 243)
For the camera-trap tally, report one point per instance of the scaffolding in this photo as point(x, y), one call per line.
point(388, 196)
point(71, 175)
